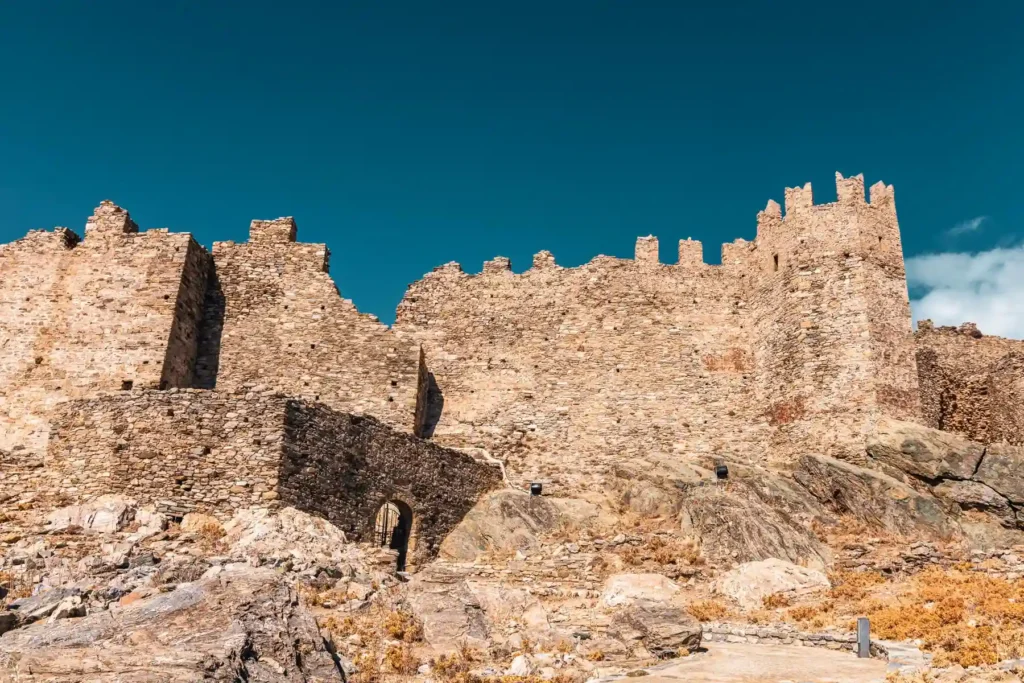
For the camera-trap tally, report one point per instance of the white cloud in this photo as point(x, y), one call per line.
point(986, 288)
point(965, 227)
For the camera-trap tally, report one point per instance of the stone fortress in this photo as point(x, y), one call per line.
point(213, 380)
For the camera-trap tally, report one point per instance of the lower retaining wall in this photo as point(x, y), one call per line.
point(192, 450)
point(778, 635)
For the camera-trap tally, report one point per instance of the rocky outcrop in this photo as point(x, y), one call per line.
point(240, 624)
point(962, 473)
point(751, 519)
point(628, 588)
point(874, 497)
point(750, 583)
point(923, 452)
point(503, 520)
point(664, 630)
point(104, 514)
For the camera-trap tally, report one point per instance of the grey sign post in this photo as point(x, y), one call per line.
point(863, 637)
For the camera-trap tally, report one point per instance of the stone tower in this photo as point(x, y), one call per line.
point(831, 320)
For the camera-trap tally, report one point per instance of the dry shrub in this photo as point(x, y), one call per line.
point(314, 596)
point(14, 586)
point(707, 610)
point(965, 618)
point(853, 585)
point(402, 625)
point(596, 656)
point(775, 601)
point(399, 659)
point(673, 551)
point(803, 613)
point(209, 535)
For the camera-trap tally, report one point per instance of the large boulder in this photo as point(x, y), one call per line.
point(874, 497)
point(750, 583)
point(105, 514)
point(450, 612)
point(505, 521)
point(262, 537)
point(750, 519)
point(973, 495)
point(626, 588)
point(923, 452)
point(1002, 469)
point(243, 624)
point(665, 630)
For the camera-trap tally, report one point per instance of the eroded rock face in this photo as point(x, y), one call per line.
point(628, 588)
point(242, 624)
point(751, 582)
point(104, 514)
point(924, 452)
point(874, 497)
point(735, 523)
point(664, 630)
point(1002, 469)
point(504, 520)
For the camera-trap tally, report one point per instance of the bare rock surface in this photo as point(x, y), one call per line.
point(506, 519)
point(663, 630)
point(751, 582)
point(627, 588)
point(242, 624)
point(104, 514)
point(735, 522)
point(1002, 469)
point(924, 452)
point(874, 497)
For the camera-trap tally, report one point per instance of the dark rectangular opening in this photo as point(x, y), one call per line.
point(776, 259)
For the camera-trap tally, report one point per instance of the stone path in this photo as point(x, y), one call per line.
point(748, 663)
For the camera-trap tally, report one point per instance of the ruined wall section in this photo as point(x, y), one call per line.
point(192, 450)
point(971, 383)
point(344, 467)
point(184, 450)
point(274, 319)
point(831, 314)
point(562, 372)
point(113, 311)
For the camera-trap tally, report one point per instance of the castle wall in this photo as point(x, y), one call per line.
point(116, 309)
point(971, 384)
point(344, 468)
point(831, 321)
point(562, 372)
point(273, 318)
point(212, 451)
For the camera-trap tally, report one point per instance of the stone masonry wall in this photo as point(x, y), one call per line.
point(345, 467)
point(184, 450)
point(793, 345)
point(118, 309)
point(971, 384)
point(562, 372)
point(191, 450)
point(831, 320)
point(273, 318)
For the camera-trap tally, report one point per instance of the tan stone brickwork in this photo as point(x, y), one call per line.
point(971, 383)
point(794, 344)
point(78, 317)
point(274, 319)
point(216, 452)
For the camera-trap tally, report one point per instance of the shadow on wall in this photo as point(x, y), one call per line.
point(345, 467)
point(210, 332)
point(435, 406)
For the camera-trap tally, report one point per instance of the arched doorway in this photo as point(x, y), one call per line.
point(392, 528)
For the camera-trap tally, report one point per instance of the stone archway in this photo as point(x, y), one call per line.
point(392, 528)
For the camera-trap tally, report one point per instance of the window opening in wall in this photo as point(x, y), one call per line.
point(392, 528)
point(776, 259)
point(879, 240)
point(126, 385)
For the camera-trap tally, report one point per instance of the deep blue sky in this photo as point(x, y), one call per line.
point(406, 135)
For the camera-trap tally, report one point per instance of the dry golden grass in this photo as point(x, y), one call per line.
point(707, 610)
point(15, 585)
point(853, 585)
point(775, 601)
point(402, 625)
point(596, 656)
point(662, 551)
point(962, 617)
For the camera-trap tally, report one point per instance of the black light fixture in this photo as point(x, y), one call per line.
point(536, 488)
point(721, 471)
